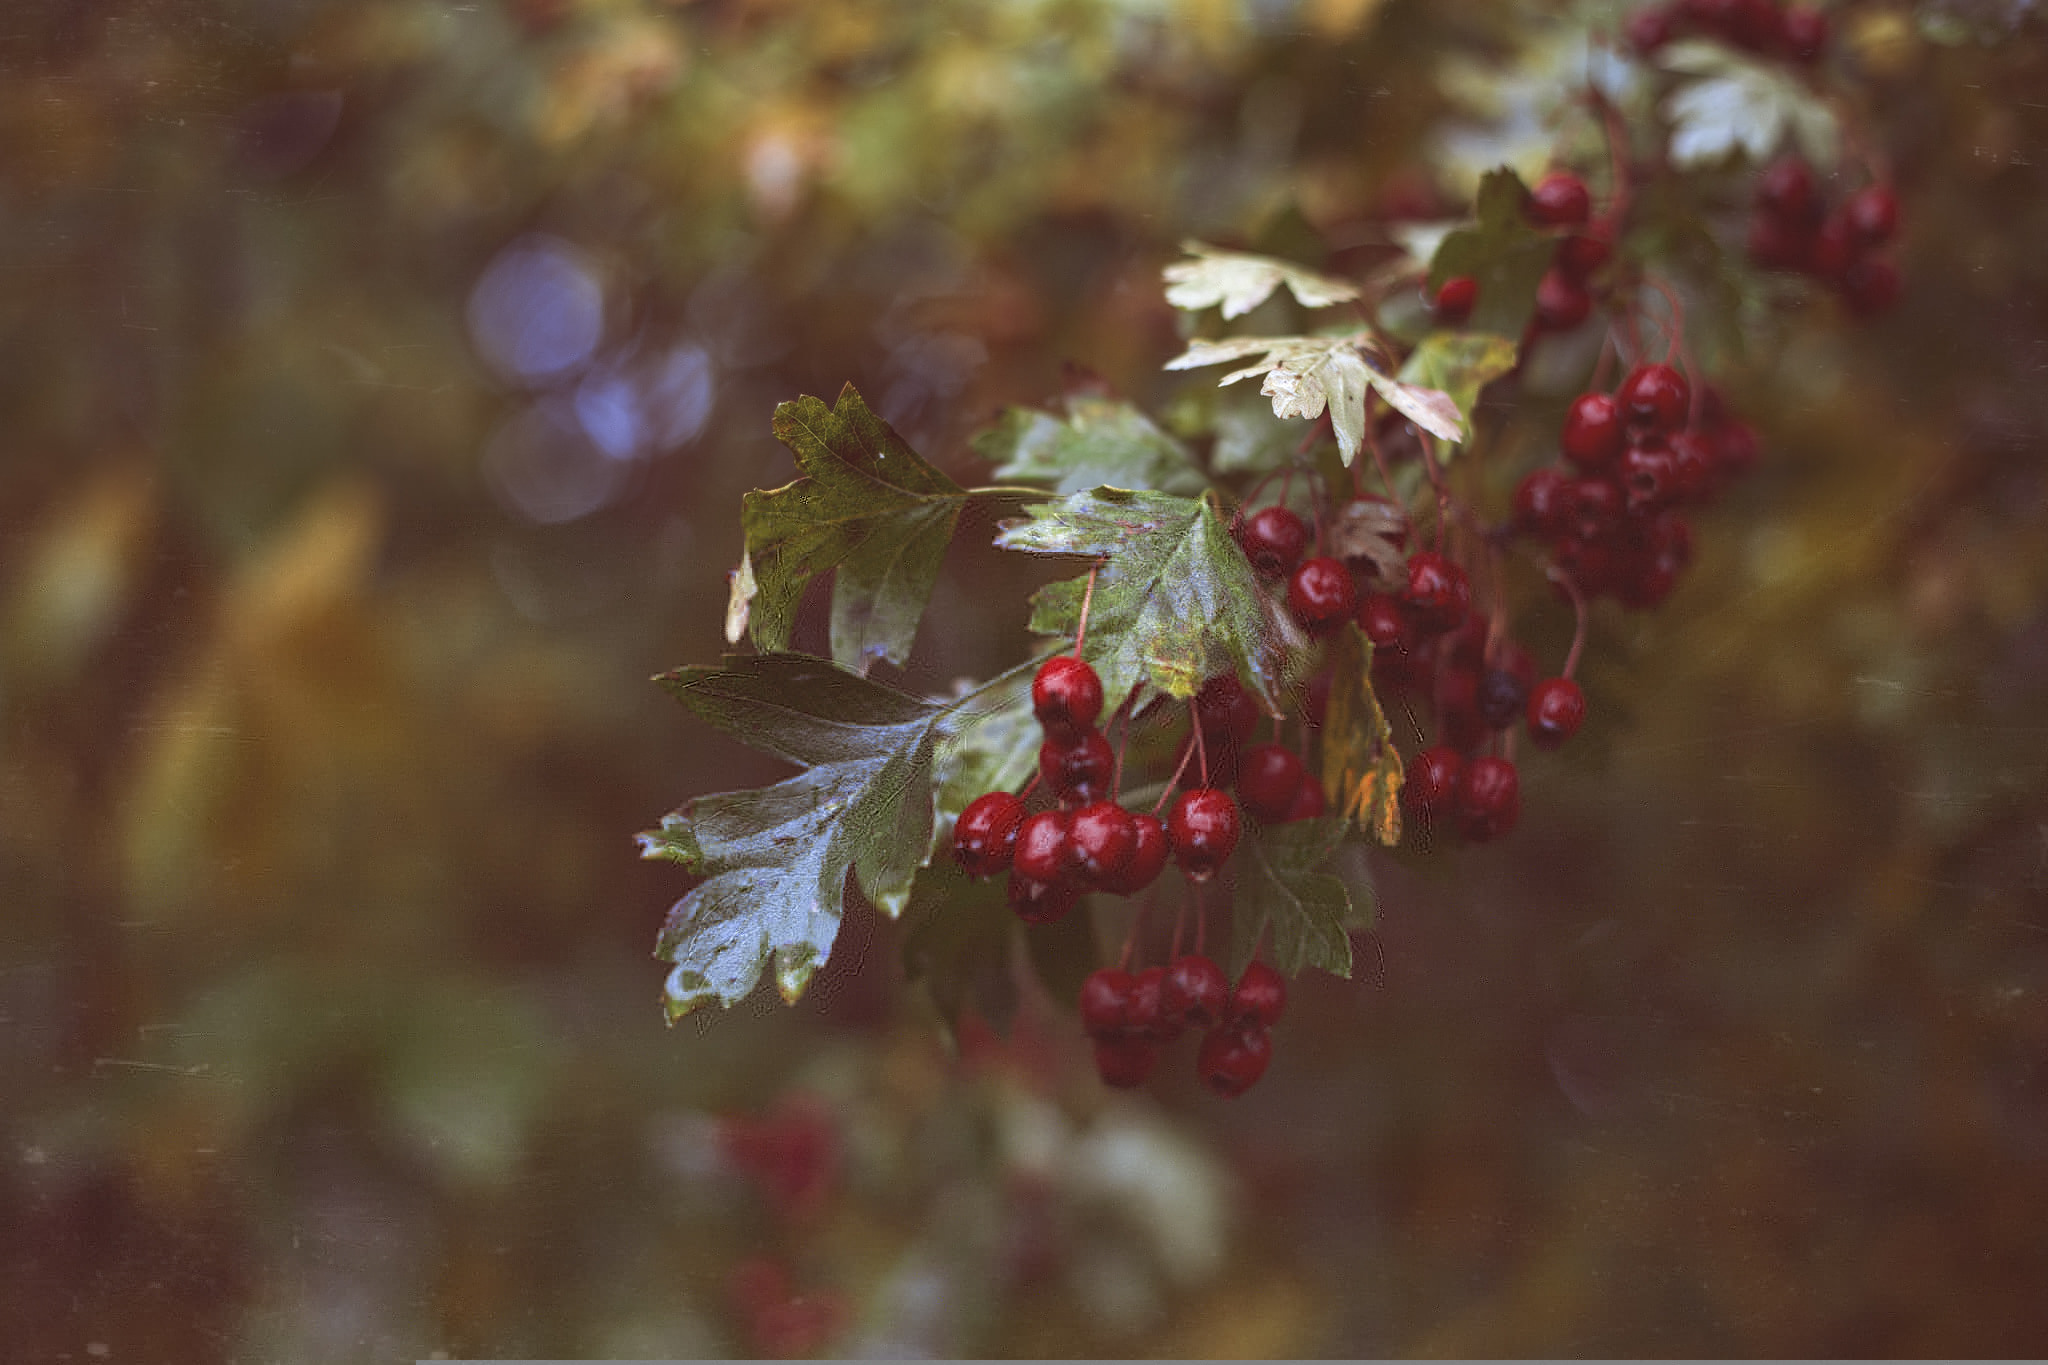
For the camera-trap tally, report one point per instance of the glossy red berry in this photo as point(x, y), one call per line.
point(1696, 465)
point(1557, 708)
point(1786, 191)
point(1648, 29)
point(1308, 800)
point(1195, 990)
point(1594, 431)
point(1106, 1002)
point(1147, 860)
point(1562, 301)
point(1655, 397)
point(1560, 199)
point(1203, 828)
point(1385, 621)
point(1580, 254)
point(1225, 709)
point(1260, 996)
point(1489, 798)
point(1648, 476)
point(1454, 301)
point(1066, 696)
point(1541, 508)
point(1439, 594)
point(1124, 1062)
point(1149, 1016)
point(1804, 32)
point(1268, 777)
point(1037, 902)
point(1078, 769)
point(1596, 505)
point(1872, 214)
point(1321, 593)
point(1273, 539)
point(1432, 785)
point(985, 835)
point(1231, 1060)
point(1101, 837)
point(1041, 852)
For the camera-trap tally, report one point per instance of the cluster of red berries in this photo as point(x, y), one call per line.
point(1564, 296)
point(1632, 459)
point(1320, 589)
point(1086, 842)
point(1797, 33)
point(1792, 228)
point(1130, 1017)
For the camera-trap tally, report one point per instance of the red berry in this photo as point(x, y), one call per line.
point(1321, 593)
point(1735, 448)
point(1656, 397)
point(1432, 783)
point(1541, 509)
point(1804, 31)
point(1648, 475)
point(1106, 1002)
point(1149, 1017)
point(1225, 709)
point(1596, 505)
point(1066, 696)
point(1648, 29)
point(1872, 214)
point(1203, 828)
point(1080, 769)
point(1787, 192)
point(1231, 1060)
point(1594, 431)
point(1489, 798)
point(1260, 996)
point(1870, 286)
point(1039, 902)
point(1579, 255)
point(1752, 24)
point(1195, 991)
point(1439, 594)
point(1273, 539)
point(1308, 800)
point(1042, 852)
point(1500, 698)
point(1148, 857)
point(1385, 621)
point(1454, 301)
point(986, 833)
point(1591, 564)
point(1124, 1062)
point(1562, 301)
point(1775, 244)
point(1557, 708)
point(1101, 837)
point(1695, 464)
point(1833, 248)
point(1267, 779)
point(1559, 199)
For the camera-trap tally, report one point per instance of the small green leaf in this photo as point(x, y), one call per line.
point(1101, 442)
point(1282, 883)
point(1175, 600)
point(868, 507)
point(778, 857)
point(1501, 251)
point(1460, 364)
point(956, 944)
point(1241, 282)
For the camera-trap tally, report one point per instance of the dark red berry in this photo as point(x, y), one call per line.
point(1804, 32)
point(1231, 1060)
point(1106, 1002)
point(1080, 769)
point(1273, 539)
point(1557, 708)
point(1066, 696)
point(1596, 505)
point(1591, 564)
point(1872, 214)
point(1562, 301)
point(1101, 837)
point(1459, 725)
point(1696, 465)
point(1648, 29)
point(1308, 800)
point(1195, 991)
point(1453, 302)
point(1149, 1016)
point(1489, 798)
point(1870, 286)
point(1321, 593)
point(1579, 255)
point(1594, 431)
point(1541, 509)
point(1203, 828)
point(1775, 244)
point(1648, 475)
point(1259, 997)
point(1500, 698)
point(1559, 199)
point(1124, 1062)
point(1037, 902)
point(1833, 248)
point(1267, 778)
point(986, 833)
point(1041, 852)
point(1786, 191)
point(1385, 621)
point(1225, 709)
point(1439, 594)
point(1736, 448)
point(1148, 857)
point(1432, 785)
point(1656, 397)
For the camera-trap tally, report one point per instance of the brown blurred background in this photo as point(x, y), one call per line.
point(378, 382)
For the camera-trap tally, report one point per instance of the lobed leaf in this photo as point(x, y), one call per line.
point(1742, 105)
point(1100, 442)
point(1240, 282)
point(1284, 885)
point(1459, 364)
point(1501, 252)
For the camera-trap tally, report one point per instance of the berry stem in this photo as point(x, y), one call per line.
point(1087, 601)
point(1201, 742)
point(1174, 781)
point(1030, 785)
point(1571, 587)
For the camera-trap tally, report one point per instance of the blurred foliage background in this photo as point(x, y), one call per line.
point(378, 381)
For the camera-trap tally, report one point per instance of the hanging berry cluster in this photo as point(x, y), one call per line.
point(1793, 229)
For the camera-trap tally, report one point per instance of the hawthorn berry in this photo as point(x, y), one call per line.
point(1079, 769)
point(1872, 214)
point(1596, 505)
point(1454, 301)
point(1804, 32)
point(1042, 852)
point(1560, 199)
point(1833, 249)
point(1385, 621)
point(1148, 1014)
point(1580, 254)
point(1557, 708)
point(1648, 475)
point(1489, 798)
point(1541, 508)
point(985, 835)
point(1273, 539)
point(1786, 192)
point(1500, 698)
point(1775, 244)
point(1259, 997)
point(1101, 837)
point(1655, 397)
point(1195, 991)
point(1432, 785)
point(1870, 286)
point(1268, 776)
point(1594, 431)
point(1308, 800)
point(1037, 902)
point(1439, 594)
point(1203, 828)
point(1321, 593)
point(1106, 1002)
point(1648, 29)
point(1124, 1062)
point(1066, 696)
point(1225, 710)
point(1562, 301)
point(1147, 860)
point(1231, 1060)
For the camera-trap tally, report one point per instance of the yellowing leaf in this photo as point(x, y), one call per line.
point(1241, 282)
point(1362, 772)
point(1460, 364)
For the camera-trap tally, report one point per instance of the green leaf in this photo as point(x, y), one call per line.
point(868, 507)
point(1175, 600)
point(1501, 251)
point(1251, 439)
point(1460, 364)
point(1743, 105)
point(1101, 442)
point(778, 857)
point(1241, 282)
point(956, 945)
point(1282, 883)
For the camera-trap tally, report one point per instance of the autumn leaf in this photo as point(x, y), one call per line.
point(1459, 364)
point(1241, 282)
point(1362, 771)
point(1100, 442)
